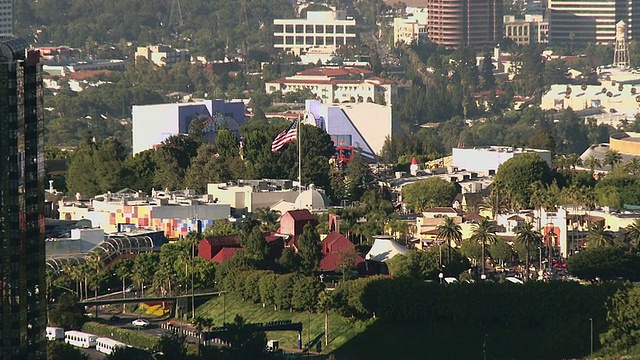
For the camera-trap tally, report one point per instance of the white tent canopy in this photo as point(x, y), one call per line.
point(384, 249)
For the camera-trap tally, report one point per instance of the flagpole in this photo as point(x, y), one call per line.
point(299, 133)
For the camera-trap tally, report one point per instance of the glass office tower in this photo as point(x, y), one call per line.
point(22, 276)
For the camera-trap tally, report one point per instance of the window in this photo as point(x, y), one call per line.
point(288, 29)
point(278, 28)
point(329, 40)
point(329, 29)
point(339, 29)
point(309, 29)
point(319, 29)
point(299, 40)
point(309, 40)
point(299, 29)
point(319, 40)
point(289, 40)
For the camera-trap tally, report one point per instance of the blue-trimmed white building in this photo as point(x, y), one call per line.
point(152, 124)
point(361, 125)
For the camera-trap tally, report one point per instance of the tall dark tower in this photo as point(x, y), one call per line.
point(23, 311)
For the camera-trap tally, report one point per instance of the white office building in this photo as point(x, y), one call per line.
point(412, 28)
point(6, 17)
point(320, 29)
point(488, 159)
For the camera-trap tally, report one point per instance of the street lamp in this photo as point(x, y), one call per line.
point(591, 328)
point(441, 276)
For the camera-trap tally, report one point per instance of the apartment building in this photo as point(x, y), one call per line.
point(532, 29)
point(319, 29)
point(476, 23)
point(591, 21)
point(412, 28)
point(6, 17)
point(163, 55)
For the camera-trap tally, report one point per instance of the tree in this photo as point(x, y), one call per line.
point(530, 239)
point(450, 232)
point(632, 235)
point(604, 263)
point(358, 177)
point(432, 192)
point(495, 202)
point(598, 235)
point(172, 345)
point(255, 247)
point(346, 262)
point(516, 175)
point(612, 158)
point(268, 218)
point(221, 227)
point(622, 318)
point(144, 267)
point(306, 290)
point(67, 313)
point(484, 233)
point(288, 261)
point(245, 342)
point(632, 166)
point(58, 350)
point(592, 163)
point(226, 144)
point(201, 323)
point(309, 249)
point(129, 353)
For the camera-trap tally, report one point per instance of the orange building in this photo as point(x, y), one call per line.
point(465, 22)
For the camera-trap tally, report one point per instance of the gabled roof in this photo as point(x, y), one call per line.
point(329, 261)
point(515, 218)
point(224, 254)
point(300, 215)
point(336, 242)
point(439, 210)
point(225, 241)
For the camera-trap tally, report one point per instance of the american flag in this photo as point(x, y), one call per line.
point(286, 136)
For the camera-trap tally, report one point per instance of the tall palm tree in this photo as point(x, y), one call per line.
point(484, 233)
point(530, 238)
point(449, 231)
point(496, 203)
point(592, 163)
point(632, 166)
point(599, 235)
point(612, 158)
point(573, 160)
point(633, 235)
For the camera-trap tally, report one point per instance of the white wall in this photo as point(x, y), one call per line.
point(152, 124)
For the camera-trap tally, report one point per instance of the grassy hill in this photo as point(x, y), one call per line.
point(341, 330)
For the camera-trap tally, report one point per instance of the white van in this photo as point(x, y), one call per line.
point(108, 346)
point(55, 333)
point(80, 339)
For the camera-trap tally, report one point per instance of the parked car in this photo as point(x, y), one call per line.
point(140, 322)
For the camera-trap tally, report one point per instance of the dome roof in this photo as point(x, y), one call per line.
point(312, 199)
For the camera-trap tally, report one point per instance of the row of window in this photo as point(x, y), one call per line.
point(311, 40)
point(315, 29)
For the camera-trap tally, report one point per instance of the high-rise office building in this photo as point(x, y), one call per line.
point(22, 262)
point(578, 22)
point(465, 22)
point(6, 17)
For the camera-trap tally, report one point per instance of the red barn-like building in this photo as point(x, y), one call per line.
point(332, 246)
point(292, 223)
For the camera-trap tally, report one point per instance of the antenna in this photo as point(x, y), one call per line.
point(175, 7)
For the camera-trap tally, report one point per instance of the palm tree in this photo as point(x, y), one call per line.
point(632, 166)
point(200, 324)
point(633, 234)
point(268, 218)
point(592, 163)
point(449, 231)
point(530, 238)
point(599, 235)
point(573, 160)
point(484, 233)
point(612, 158)
point(496, 203)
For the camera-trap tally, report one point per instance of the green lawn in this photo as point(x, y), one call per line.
point(341, 330)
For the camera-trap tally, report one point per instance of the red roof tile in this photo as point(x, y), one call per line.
point(336, 242)
point(227, 240)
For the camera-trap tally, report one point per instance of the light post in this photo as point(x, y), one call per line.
point(540, 259)
point(441, 276)
point(591, 332)
point(124, 296)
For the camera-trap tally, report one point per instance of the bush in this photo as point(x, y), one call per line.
point(130, 337)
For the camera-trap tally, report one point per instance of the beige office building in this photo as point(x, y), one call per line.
point(320, 29)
